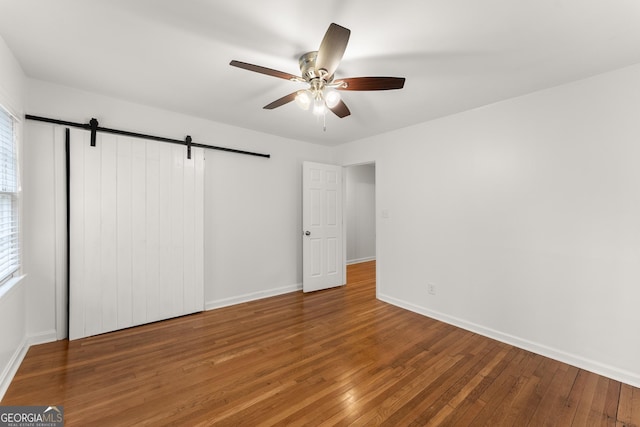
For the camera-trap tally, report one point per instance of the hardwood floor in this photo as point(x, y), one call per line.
point(335, 357)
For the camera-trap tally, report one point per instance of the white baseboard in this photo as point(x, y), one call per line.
point(359, 260)
point(596, 367)
point(18, 356)
point(225, 302)
point(12, 367)
point(43, 337)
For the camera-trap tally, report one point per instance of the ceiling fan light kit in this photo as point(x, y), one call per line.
point(317, 69)
point(322, 98)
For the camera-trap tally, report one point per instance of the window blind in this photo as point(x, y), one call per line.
point(9, 238)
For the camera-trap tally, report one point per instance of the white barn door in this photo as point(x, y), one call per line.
point(136, 233)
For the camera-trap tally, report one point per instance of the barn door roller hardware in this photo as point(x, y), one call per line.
point(188, 142)
point(94, 128)
point(93, 124)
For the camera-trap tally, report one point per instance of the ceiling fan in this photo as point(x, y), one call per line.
point(317, 69)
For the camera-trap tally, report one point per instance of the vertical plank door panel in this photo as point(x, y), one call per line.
point(124, 242)
point(165, 231)
point(76, 235)
point(198, 210)
point(188, 233)
point(92, 239)
point(176, 276)
point(153, 230)
point(108, 233)
point(139, 218)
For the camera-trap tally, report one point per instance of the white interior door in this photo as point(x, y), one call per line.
point(136, 233)
point(323, 259)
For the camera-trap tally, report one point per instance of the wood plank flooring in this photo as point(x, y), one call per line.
point(335, 357)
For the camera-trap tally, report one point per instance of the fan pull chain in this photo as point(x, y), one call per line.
point(324, 120)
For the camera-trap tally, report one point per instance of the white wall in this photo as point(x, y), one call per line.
point(525, 215)
point(13, 325)
point(253, 215)
point(252, 205)
point(360, 212)
point(44, 231)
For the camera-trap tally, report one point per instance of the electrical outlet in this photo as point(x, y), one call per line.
point(431, 288)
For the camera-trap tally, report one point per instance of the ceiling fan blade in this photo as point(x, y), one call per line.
point(263, 70)
point(280, 102)
point(341, 110)
point(372, 83)
point(332, 48)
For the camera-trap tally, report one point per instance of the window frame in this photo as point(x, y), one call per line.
point(10, 190)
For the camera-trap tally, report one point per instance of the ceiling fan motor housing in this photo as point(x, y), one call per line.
point(308, 68)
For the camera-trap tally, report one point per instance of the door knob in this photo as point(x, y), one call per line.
point(307, 233)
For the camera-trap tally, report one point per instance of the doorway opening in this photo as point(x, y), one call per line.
point(360, 213)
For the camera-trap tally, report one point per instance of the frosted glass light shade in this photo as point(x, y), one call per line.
point(303, 99)
point(331, 97)
point(319, 107)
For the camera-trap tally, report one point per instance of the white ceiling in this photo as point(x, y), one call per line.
point(455, 54)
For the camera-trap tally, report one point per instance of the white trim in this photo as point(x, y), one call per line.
point(43, 337)
point(10, 285)
point(12, 367)
point(599, 368)
point(359, 260)
point(225, 302)
point(18, 356)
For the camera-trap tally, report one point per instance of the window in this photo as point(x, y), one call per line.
point(9, 239)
